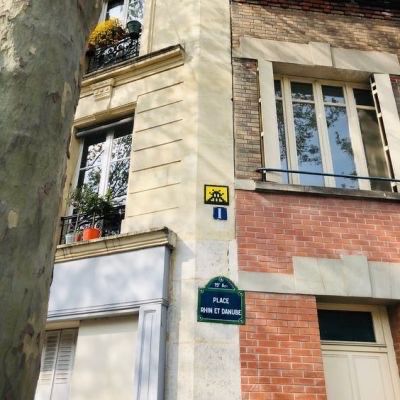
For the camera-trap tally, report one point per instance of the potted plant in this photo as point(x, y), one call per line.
point(87, 202)
point(106, 33)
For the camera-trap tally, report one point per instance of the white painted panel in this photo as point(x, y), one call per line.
point(390, 117)
point(163, 198)
point(155, 156)
point(105, 359)
point(373, 376)
point(159, 98)
point(357, 375)
point(337, 376)
point(158, 116)
point(158, 135)
point(116, 281)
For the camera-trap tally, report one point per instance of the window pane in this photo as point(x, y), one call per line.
point(278, 88)
point(135, 10)
point(118, 179)
point(302, 91)
point(363, 97)
point(373, 147)
point(339, 140)
point(90, 177)
point(333, 94)
point(115, 9)
point(349, 326)
point(93, 151)
point(307, 143)
point(121, 147)
point(282, 140)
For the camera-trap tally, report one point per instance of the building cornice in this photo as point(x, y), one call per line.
point(138, 68)
point(115, 244)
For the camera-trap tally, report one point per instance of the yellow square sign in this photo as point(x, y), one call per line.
point(216, 195)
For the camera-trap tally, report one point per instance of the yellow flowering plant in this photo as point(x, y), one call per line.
point(106, 33)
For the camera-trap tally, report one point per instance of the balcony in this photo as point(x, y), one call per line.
point(110, 224)
point(103, 57)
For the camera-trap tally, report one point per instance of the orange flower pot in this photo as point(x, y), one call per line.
point(91, 233)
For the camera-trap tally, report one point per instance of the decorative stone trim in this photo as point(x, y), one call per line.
point(272, 187)
point(115, 244)
point(139, 68)
point(350, 276)
point(317, 54)
point(103, 89)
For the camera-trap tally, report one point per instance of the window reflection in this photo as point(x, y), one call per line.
point(115, 9)
point(105, 162)
point(307, 143)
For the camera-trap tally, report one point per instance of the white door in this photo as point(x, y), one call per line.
point(358, 355)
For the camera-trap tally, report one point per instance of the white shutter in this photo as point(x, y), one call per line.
point(388, 117)
point(57, 361)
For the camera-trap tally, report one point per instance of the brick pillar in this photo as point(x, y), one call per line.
point(280, 349)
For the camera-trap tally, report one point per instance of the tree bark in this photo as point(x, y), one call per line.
point(41, 51)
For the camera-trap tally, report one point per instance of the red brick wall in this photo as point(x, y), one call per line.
point(280, 349)
point(323, 21)
point(272, 228)
point(247, 120)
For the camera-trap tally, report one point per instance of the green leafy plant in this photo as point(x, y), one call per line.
point(86, 201)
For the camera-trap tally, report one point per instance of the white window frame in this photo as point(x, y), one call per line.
point(383, 336)
point(124, 12)
point(105, 160)
point(353, 121)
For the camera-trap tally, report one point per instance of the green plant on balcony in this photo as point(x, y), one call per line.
point(87, 202)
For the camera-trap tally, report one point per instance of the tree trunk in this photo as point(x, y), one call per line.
point(41, 51)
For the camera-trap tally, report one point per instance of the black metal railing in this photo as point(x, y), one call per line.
point(102, 57)
point(377, 179)
point(292, 171)
point(110, 223)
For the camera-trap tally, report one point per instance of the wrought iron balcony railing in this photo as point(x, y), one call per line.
point(110, 224)
point(102, 57)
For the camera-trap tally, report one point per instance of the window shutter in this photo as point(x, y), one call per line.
point(389, 120)
point(57, 361)
point(49, 355)
point(270, 133)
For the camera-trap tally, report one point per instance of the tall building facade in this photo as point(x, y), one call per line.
point(277, 105)
point(315, 103)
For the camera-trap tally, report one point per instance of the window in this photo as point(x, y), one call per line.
point(105, 158)
point(349, 326)
point(333, 128)
point(56, 365)
point(124, 10)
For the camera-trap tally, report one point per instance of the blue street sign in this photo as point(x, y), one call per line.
point(220, 213)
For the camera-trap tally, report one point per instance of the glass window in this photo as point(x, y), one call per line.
point(317, 135)
point(105, 161)
point(349, 326)
point(124, 10)
point(339, 136)
point(115, 9)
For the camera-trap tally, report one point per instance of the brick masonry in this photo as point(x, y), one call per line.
point(336, 22)
point(280, 349)
point(280, 346)
point(272, 228)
